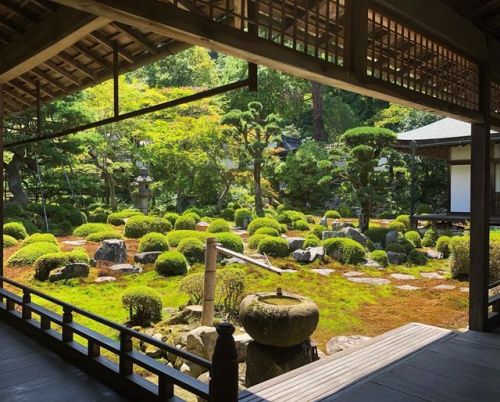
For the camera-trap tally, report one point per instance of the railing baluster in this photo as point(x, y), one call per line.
point(126, 365)
point(224, 373)
point(10, 305)
point(67, 333)
point(165, 388)
point(44, 322)
point(26, 312)
point(93, 349)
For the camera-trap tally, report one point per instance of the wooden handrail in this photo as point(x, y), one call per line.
point(250, 260)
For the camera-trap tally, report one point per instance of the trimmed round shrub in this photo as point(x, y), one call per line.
point(416, 257)
point(283, 218)
point(231, 241)
point(345, 250)
point(262, 223)
point(283, 228)
point(193, 249)
point(207, 219)
point(119, 218)
point(101, 236)
point(404, 219)
point(9, 241)
point(274, 246)
point(185, 222)
point(311, 241)
point(228, 214)
point(395, 248)
point(144, 305)
point(171, 217)
point(310, 219)
point(380, 257)
point(240, 215)
point(332, 214)
point(253, 241)
point(176, 236)
point(430, 238)
point(89, 228)
point(318, 230)
point(396, 225)
point(443, 245)
point(16, 230)
point(194, 210)
point(27, 255)
point(40, 237)
point(218, 226)
point(460, 257)
point(63, 228)
point(294, 215)
point(100, 217)
point(414, 237)
point(171, 263)
point(407, 244)
point(138, 226)
point(28, 225)
point(153, 242)
point(300, 225)
point(377, 235)
point(193, 215)
point(267, 231)
point(48, 262)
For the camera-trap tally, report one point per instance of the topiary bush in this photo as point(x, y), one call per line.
point(311, 241)
point(228, 214)
point(138, 226)
point(176, 236)
point(460, 257)
point(16, 230)
point(430, 238)
point(153, 242)
point(377, 235)
point(231, 241)
point(101, 236)
point(404, 219)
point(192, 215)
point(63, 228)
point(48, 262)
point(283, 218)
point(294, 215)
point(380, 257)
point(345, 250)
point(185, 222)
point(253, 241)
point(300, 225)
point(40, 237)
point(396, 225)
point(262, 223)
point(89, 228)
point(218, 226)
point(193, 249)
point(416, 257)
point(332, 214)
point(9, 241)
point(318, 230)
point(407, 244)
point(194, 210)
point(171, 263)
point(443, 245)
point(240, 215)
point(27, 255)
point(28, 225)
point(310, 219)
point(414, 237)
point(119, 218)
point(171, 217)
point(144, 305)
point(274, 246)
point(101, 217)
point(267, 231)
point(395, 248)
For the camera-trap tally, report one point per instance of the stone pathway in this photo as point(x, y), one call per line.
point(407, 287)
point(75, 242)
point(431, 275)
point(352, 274)
point(444, 287)
point(370, 281)
point(323, 271)
point(402, 277)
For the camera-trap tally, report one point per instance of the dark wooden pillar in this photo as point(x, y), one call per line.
point(1, 175)
point(480, 212)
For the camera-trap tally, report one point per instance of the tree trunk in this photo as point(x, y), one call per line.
point(317, 103)
point(364, 218)
point(111, 189)
point(259, 208)
point(15, 181)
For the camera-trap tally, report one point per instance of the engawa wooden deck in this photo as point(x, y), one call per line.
point(413, 363)
point(31, 373)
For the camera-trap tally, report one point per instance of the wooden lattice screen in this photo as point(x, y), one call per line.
point(308, 26)
point(399, 55)
point(495, 98)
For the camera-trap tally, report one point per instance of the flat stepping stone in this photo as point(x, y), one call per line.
point(105, 279)
point(352, 274)
point(75, 242)
point(407, 287)
point(371, 263)
point(126, 269)
point(431, 275)
point(464, 289)
point(444, 287)
point(290, 271)
point(402, 277)
point(323, 271)
point(370, 281)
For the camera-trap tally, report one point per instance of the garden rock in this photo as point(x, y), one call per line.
point(371, 263)
point(74, 270)
point(324, 221)
point(392, 237)
point(188, 315)
point(309, 255)
point(433, 254)
point(113, 250)
point(126, 269)
point(323, 271)
point(340, 343)
point(355, 235)
point(74, 242)
point(233, 260)
point(371, 281)
point(396, 258)
point(295, 243)
point(201, 342)
point(329, 234)
point(148, 257)
point(242, 369)
point(104, 279)
point(407, 287)
point(153, 351)
point(402, 277)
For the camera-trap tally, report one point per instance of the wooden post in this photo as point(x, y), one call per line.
point(207, 315)
point(126, 367)
point(26, 312)
point(224, 374)
point(2, 133)
point(252, 77)
point(356, 40)
point(480, 211)
point(116, 85)
point(67, 333)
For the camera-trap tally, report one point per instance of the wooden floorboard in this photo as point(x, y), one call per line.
point(31, 373)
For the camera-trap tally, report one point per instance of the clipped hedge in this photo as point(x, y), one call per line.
point(345, 250)
point(311, 240)
point(194, 210)
point(267, 231)
point(48, 262)
point(9, 241)
point(15, 230)
point(185, 222)
point(195, 216)
point(101, 236)
point(416, 257)
point(395, 248)
point(40, 237)
point(27, 255)
point(380, 257)
point(396, 225)
point(176, 236)
point(228, 214)
point(443, 245)
point(144, 305)
point(240, 215)
point(89, 228)
point(318, 230)
point(404, 219)
point(430, 238)
point(231, 241)
point(193, 249)
point(218, 226)
point(414, 237)
point(171, 217)
point(171, 263)
point(274, 246)
point(300, 225)
point(261, 223)
point(153, 242)
point(332, 214)
point(377, 235)
point(119, 218)
point(138, 226)
point(253, 241)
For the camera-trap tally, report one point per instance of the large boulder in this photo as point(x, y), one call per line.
point(147, 257)
point(189, 315)
point(201, 342)
point(392, 237)
point(113, 250)
point(396, 258)
point(309, 255)
point(295, 243)
point(74, 270)
point(126, 269)
point(330, 234)
point(355, 235)
point(324, 221)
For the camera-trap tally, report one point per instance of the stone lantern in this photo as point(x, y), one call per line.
point(142, 183)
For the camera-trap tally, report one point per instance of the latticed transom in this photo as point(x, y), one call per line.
point(399, 55)
point(495, 98)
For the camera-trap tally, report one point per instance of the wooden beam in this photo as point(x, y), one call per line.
point(55, 83)
point(94, 56)
point(66, 58)
point(58, 69)
point(108, 43)
point(138, 37)
point(44, 40)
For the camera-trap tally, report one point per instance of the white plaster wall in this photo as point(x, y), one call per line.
point(460, 188)
point(460, 153)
